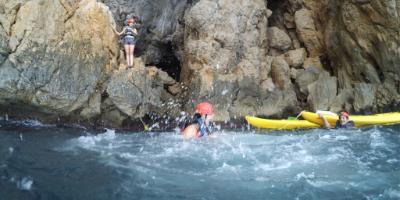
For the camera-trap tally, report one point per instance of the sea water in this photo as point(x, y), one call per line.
point(46, 162)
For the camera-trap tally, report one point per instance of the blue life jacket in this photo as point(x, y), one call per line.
point(203, 128)
point(349, 124)
point(129, 32)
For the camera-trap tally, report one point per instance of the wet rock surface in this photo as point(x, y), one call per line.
point(54, 63)
point(59, 67)
point(307, 32)
point(278, 39)
point(364, 43)
point(226, 61)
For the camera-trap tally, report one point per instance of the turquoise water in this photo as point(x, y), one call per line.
point(45, 162)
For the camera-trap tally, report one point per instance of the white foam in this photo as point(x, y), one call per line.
point(231, 154)
point(337, 153)
point(319, 184)
point(391, 193)
point(326, 137)
point(229, 168)
point(25, 183)
point(91, 140)
point(11, 150)
point(109, 134)
point(87, 141)
point(342, 137)
point(262, 179)
point(391, 161)
point(155, 125)
point(177, 130)
point(377, 140)
point(33, 123)
point(303, 175)
point(332, 157)
point(307, 159)
point(215, 156)
point(268, 167)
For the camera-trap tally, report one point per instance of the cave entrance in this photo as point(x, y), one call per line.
point(169, 61)
point(278, 8)
point(164, 58)
point(275, 4)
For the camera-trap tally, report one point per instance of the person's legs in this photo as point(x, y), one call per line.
point(131, 50)
point(127, 53)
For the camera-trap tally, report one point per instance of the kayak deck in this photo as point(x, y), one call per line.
point(280, 124)
point(359, 120)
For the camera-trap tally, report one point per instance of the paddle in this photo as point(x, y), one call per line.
point(291, 118)
point(145, 126)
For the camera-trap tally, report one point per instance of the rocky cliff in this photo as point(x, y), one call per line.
point(55, 55)
point(61, 61)
point(363, 40)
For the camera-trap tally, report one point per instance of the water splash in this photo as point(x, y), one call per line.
point(11, 150)
point(25, 183)
point(274, 164)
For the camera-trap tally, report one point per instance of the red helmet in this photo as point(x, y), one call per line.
point(344, 113)
point(205, 108)
point(131, 20)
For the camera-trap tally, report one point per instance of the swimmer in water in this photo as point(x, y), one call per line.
point(200, 125)
point(342, 122)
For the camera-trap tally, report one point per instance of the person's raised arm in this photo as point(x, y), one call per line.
point(118, 33)
point(326, 123)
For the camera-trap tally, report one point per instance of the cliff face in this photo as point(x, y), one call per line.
point(54, 54)
point(363, 40)
point(318, 55)
point(226, 61)
point(60, 58)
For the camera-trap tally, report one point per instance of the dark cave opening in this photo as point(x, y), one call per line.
point(282, 9)
point(327, 64)
point(278, 8)
point(275, 4)
point(169, 62)
point(163, 56)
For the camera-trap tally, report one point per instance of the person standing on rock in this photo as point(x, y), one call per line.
point(200, 126)
point(129, 39)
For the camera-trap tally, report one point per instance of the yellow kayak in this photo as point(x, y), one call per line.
point(280, 124)
point(359, 120)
